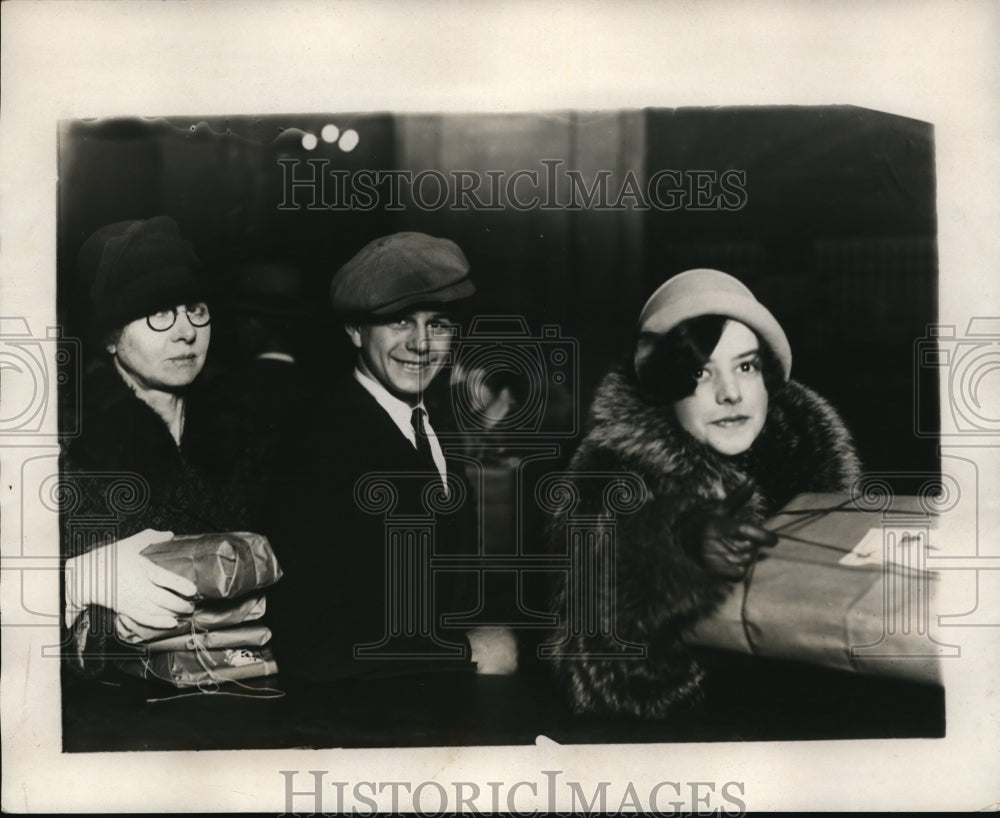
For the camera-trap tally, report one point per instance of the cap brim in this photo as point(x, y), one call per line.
point(455, 291)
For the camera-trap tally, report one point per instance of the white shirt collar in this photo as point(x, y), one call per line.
point(401, 413)
point(398, 410)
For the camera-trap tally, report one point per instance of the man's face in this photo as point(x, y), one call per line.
point(165, 360)
point(729, 405)
point(404, 353)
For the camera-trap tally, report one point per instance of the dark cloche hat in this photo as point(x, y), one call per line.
point(133, 268)
point(399, 271)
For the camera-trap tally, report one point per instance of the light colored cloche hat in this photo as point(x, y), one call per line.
point(710, 292)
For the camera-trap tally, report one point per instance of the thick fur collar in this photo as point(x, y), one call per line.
point(804, 446)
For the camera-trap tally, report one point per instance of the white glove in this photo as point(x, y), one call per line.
point(118, 577)
point(494, 650)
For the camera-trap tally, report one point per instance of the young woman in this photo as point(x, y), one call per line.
point(707, 416)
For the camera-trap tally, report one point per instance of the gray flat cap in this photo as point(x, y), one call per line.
point(399, 271)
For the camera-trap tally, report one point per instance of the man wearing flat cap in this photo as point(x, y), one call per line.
point(357, 600)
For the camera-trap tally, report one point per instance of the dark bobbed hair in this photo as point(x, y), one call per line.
point(667, 373)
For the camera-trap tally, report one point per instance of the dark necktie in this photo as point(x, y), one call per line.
point(423, 442)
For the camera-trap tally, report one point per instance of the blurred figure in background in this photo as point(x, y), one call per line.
point(267, 384)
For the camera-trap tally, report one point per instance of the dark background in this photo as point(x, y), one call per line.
point(837, 235)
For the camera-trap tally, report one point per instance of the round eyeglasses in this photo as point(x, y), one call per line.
point(198, 314)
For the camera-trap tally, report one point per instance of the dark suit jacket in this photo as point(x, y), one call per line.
point(329, 530)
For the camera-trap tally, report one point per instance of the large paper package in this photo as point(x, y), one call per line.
point(229, 569)
point(222, 566)
point(202, 668)
point(845, 587)
point(249, 636)
point(206, 616)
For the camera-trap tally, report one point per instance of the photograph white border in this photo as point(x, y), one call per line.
point(932, 61)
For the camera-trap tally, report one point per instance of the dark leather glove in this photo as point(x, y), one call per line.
point(720, 541)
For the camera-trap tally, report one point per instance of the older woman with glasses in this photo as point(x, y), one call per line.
point(154, 458)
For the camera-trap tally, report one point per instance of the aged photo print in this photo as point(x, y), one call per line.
point(461, 431)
